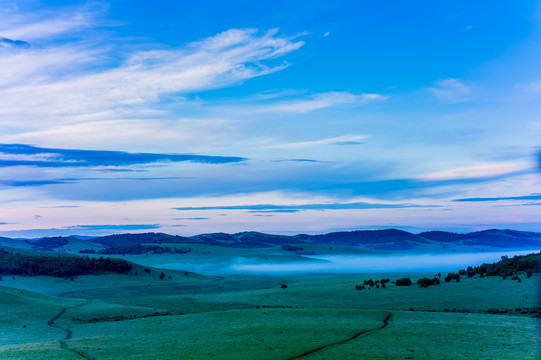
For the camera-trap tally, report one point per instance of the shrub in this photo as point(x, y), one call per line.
point(425, 282)
point(403, 282)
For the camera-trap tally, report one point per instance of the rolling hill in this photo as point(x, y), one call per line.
point(386, 240)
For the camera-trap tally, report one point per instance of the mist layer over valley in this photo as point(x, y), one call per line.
point(335, 264)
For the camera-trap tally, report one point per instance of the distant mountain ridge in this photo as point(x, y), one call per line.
point(386, 239)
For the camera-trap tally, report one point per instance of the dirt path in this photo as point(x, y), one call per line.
point(385, 323)
point(69, 332)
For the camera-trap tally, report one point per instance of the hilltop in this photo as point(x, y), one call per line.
point(383, 240)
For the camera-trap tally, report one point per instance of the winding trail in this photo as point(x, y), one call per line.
point(309, 352)
point(69, 332)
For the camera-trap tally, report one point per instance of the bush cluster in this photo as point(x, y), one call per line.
point(426, 282)
point(403, 282)
point(452, 276)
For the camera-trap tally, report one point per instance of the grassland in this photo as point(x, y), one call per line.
point(190, 316)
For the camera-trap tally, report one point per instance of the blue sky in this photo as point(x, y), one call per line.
point(283, 117)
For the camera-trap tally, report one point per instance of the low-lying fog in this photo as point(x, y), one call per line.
point(348, 263)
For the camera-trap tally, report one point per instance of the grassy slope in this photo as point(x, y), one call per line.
point(23, 324)
point(421, 335)
point(221, 317)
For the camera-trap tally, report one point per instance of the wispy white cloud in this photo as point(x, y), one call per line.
point(475, 171)
point(56, 81)
point(317, 101)
point(47, 25)
point(340, 140)
point(154, 134)
point(451, 90)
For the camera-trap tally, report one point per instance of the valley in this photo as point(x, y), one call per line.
point(155, 311)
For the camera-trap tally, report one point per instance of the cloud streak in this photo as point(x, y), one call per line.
point(477, 171)
point(295, 208)
point(451, 91)
point(112, 227)
point(534, 196)
point(13, 44)
point(24, 183)
point(317, 102)
point(26, 155)
point(340, 140)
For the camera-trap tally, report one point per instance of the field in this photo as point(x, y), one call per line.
point(186, 315)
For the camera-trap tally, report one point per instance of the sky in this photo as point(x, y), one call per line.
point(283, 117)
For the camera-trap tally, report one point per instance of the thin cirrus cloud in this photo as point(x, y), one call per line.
point(45, 25)
point(128, 133)
point(535, 196)
point(113, 227)
point(40, 46)
point(295, 208)
point(340, 182)
point(477, 171)
point(298, 160)
point(61, 207)
point(285, 211)
point(316, 102)
point(34, 183)
point(451, 91)
point(339, 140)
point(143, 78)
point(26, 155)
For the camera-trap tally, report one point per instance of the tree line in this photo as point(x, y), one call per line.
point(137, 250)
point(515, 266)
point(59, 266)
point(528, 264)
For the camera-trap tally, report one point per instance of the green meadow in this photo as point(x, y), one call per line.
point(186, 315)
